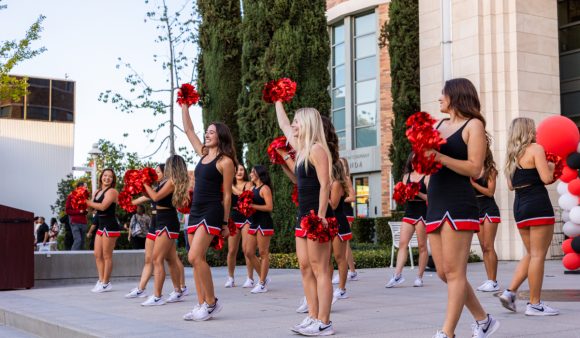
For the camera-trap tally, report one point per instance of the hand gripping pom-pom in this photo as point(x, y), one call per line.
point(400, 193)
point(245, 201)
point(315, 229)
point(187, 94)
point(148, 176)
point(133, 182)
point(558, 164)
point(124, 200)
point(79, 198)
point(279, 143)
point(423, 136)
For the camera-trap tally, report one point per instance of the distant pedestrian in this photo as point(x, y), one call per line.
point(78, 221)
point(41, 232)
point(138, 228)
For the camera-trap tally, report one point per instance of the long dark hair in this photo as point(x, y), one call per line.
point(162, 167)
point(225, 142)
point(264, 176)
point(463, 98)
point(489, 167)
point(332, 141)
point(409, 164)
point(113, 184)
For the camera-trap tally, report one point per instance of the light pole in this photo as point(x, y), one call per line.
point(94, 152)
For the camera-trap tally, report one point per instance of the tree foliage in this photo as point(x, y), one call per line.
point(282, 38)
point(13, 52)
point(401, 35)
point(176, 36)
point(219, 63)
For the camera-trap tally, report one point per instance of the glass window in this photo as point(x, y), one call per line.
point(338, 97)
point(38, 99)
point(61, 115)
point(338, 76)
point(366, 114)
point(63, 95)
point(366, 91)
point(570, 104)
point(13, 111)
point(570, 66)
point(365, 46)
point(338, 119)
point(366, 137)
point(361, 186)
point(341, 139)
point(366, 68)
point(338, 34)
point(568, 11)
point(338, 55)
point(365, 24)
point(569, 38)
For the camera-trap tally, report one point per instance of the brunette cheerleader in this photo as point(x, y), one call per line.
point(313, 173)
point(352, 275)
point(261, 228)
point(105, 202)
point(452, 213)
point(413, 221)
point(527, 171)
point(240, 185)
point(210, 207)
point(489, 218)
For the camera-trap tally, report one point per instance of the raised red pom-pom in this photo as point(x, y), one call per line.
point(124, 200)
point(282, 89)
point(133, 182)
point(245, 201)
point(148, 176)
point(79, 198)
point(187, 94)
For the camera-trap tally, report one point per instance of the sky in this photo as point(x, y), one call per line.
point(84, 39)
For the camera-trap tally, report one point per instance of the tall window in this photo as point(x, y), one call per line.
point(365, 80)
point(569, 41)
point(362, 189)
point(338, 84)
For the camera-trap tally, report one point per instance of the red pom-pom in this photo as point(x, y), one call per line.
point(423, 136)
point(412, 190)
point(186, 207)
point(279, 143)
point(232, 227)
point(124, 200)
point(558, 164)
point(187, 94)
point(133, 182)
point(217, 243)
point(148, 176)
point(79, 198)
point(295, 195)
point(315, 229)
point(245, 201)
point(283, 90)
point(400, 193)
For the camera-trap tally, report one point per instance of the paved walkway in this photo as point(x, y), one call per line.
point(371, 310)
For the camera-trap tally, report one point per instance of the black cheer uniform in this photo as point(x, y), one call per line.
point(348, 211)
point(532, 204)
point(416, 209)
point(207, 209)
point(308, 195)
point(166, 219)
point(487, 207)
point(344, 232)
point(260, 220)
point(450, 195)
point(152, 234)
point(108, 224)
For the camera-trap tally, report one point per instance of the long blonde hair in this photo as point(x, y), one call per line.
point(521, 134)
point(176, 171)
point(311, 132)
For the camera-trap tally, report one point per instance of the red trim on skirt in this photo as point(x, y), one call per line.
point(210, 230)
point(171, 235)
point(108, 233)
point(151, 236)
point(531, 222)
point(413, 221)
point(457, 225)
point(491, 219)
point(266, 232)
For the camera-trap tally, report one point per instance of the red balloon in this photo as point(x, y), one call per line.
point(558, 135)
point(574, 187)
point(567, 246)
point(568, 174)
point(571, 261)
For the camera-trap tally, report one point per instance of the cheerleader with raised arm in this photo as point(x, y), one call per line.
point(313, 174)
point(241, 184)
point(528, 171)
point(105, 202)
point(210, 207)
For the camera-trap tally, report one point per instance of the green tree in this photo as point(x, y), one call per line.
point(401, 34)
point(281, 39)
point(176, 35)
point(219, 62)
point(14, 52)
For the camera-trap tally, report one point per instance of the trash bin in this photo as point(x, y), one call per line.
point(16, 248)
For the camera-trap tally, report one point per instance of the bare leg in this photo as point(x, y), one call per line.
point(521, 273)
point(202, 271)
point(308, 279)
point(350, 258)
point(264, 249)
point(233, 246)
point(407, 231)
point(487, 241)
point(163, 245)
point(319, 257)
point(422, 242)
point(540, 239)
point(108, 245)
point(148, 266)
point(252, 263)
point(339, 251)
point(98, 252)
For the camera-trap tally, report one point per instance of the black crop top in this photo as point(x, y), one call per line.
point(110, 211)
point(208, 182)
point(524, 177)
point(166, 201)
point(308, 188)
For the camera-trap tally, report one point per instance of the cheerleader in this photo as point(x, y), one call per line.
point(105, 202)
point(240, 185)
point(452, 213)
point(527, 171)
point(413, 221)
point(139, 291)
point(261, 228)
point(313, 173)
point(352, 275)
point(210, 207)
point(489, 218)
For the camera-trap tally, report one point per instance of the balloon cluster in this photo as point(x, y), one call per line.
point(559, 135)
point(315, 230)
point(423, 136)
point(282, 89)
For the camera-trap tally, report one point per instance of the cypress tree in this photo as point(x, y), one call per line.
point(219, 63)
point(284, 38)
point(401, 35)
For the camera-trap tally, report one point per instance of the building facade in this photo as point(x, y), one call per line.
point(523, 56)
point(37, 144)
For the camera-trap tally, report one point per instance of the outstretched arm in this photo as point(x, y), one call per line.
point(284, 123)
point(189, 131)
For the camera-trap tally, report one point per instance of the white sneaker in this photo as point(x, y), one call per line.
point(485, 329)
point(440, 334)
point(395, 280)
point(189, 316)
point(249, 283)
point(230, 282)
point(541, 309)
point(184, 291)
point(136, 293)
point(335, 279)
point(340, 293)
point(352, 276)
point(488, 286)
point(260, 288)
point(153, 301)
point(104, 288)
point(418, 282)
point(96, 287)
point(303, 308)
point(508, 300)
point(305, 323)
point(317, 328)
point(175, 297)
point(206, 312)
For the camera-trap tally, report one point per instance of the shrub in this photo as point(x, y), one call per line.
point(363, 230)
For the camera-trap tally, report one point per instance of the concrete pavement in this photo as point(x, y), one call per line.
point(371, 310)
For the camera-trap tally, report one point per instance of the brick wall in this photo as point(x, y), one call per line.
point(332, 3)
